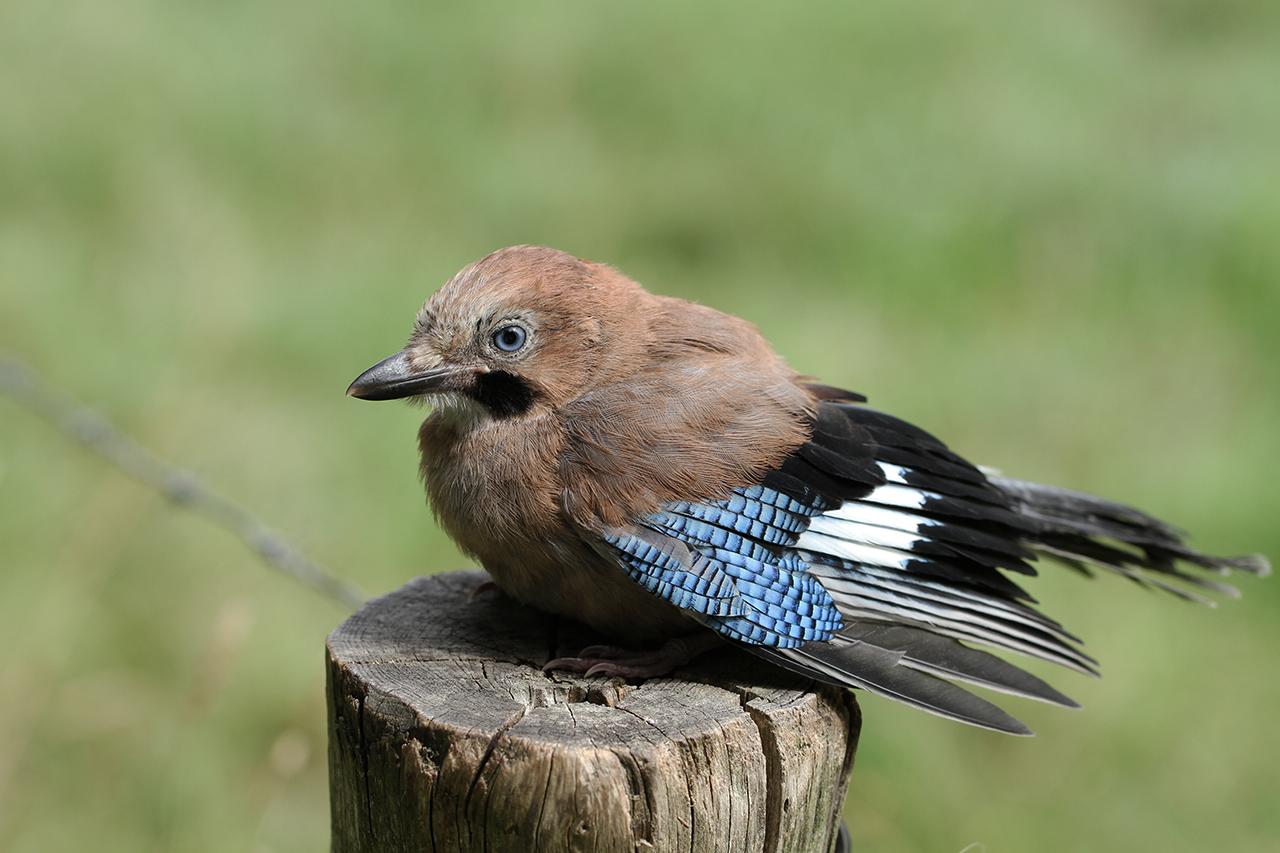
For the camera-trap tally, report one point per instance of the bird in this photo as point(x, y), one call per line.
point(651, 467)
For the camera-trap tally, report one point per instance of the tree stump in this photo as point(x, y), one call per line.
point(445, 735)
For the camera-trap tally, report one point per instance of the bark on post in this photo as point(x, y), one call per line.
point(444, 735)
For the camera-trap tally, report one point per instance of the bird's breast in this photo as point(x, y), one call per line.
point(496, 492)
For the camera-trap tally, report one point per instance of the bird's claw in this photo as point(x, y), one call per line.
point(569, 664)
point(632, 665)
point(617, 662)
point(613, 669)
point(484, 588)
point(606, 652)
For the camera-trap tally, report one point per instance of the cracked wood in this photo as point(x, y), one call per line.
point(444, 735)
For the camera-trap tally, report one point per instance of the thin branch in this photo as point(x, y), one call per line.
point(82, 424)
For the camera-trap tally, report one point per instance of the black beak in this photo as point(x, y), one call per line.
point(393, 378)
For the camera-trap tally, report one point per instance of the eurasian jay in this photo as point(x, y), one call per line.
point(650, 467)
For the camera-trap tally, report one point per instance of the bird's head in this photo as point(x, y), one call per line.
point(524, 329)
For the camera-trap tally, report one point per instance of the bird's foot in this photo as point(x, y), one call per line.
point(619, 662)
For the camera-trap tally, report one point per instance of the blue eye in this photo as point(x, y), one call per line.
point(510, 338)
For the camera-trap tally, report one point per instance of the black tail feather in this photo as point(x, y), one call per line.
point(1085, 531)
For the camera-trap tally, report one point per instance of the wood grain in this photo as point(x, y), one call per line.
point(445, 735)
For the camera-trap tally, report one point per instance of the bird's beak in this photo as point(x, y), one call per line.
point(393, 378)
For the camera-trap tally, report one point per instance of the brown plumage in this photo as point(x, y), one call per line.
point(651, 467)
point(636, 400)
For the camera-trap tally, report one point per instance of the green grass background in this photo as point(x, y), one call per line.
point(1048, 232)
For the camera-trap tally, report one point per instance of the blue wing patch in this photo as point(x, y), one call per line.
point(728, 563)
point(671, 571)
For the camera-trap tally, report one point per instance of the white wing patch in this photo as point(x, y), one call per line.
point(873, 533)
point(857, 512)
point(903, 496)
point(867, 534)
point(893, 473)
point(843, 549)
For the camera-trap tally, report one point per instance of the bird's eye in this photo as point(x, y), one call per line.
point(510, 338)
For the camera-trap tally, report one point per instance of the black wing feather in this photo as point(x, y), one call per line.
point(913, 541)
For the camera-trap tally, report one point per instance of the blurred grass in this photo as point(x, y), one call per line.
point(1048, 233)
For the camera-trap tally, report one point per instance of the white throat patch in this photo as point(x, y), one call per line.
point(457, 409)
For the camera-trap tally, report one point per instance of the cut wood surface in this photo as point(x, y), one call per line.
point(445, 735)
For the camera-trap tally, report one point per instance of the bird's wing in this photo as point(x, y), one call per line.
point(873, 553)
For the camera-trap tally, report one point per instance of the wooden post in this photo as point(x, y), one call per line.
point(445, 735)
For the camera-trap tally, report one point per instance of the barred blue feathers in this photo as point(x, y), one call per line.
point(714, 560)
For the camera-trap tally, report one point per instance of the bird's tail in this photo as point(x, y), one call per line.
point(1086, 532)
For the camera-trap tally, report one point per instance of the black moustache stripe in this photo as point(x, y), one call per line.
point(504, 394)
